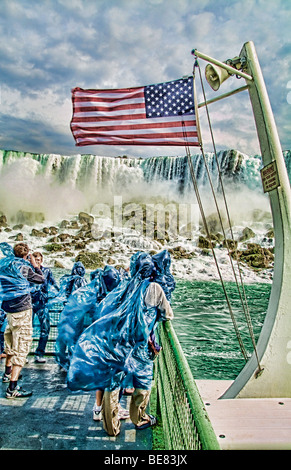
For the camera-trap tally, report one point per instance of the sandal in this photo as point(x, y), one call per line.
point(152, 421)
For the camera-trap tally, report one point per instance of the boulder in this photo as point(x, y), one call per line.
point(255, 256)
point(213, 222)
point(38, 233)
point(204, 243)
point(85, 218)
point(64, 224)
point(247, 233)
point(63, 236)
point(53, 230)
point(58, 264)
point(90, 260)
point(18, 238)
point(74, 224)
point(179, 252)
point(270, 233)
point(231, 244)
point(51, 247)
point(81, 245)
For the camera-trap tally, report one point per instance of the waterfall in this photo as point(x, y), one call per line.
point(236, 169)
point(59, 184)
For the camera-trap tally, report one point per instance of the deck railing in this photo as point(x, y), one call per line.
point(186, 425)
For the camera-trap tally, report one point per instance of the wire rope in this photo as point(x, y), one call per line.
point(243, 298)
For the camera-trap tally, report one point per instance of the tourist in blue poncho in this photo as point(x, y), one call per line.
point(117, 344)
point(163, 275)
point(40, 297)
point(75, 280)
point(80, 311)
point(17, 276)
point(68, 284)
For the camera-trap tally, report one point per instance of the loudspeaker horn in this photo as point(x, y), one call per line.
point(216, 75)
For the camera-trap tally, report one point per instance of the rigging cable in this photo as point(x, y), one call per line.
point(196, 189)
point(243, 301)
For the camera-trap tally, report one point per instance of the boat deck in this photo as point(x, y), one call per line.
point(241, 424)
point(54, 418)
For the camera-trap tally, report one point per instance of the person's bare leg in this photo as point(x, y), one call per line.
point(15, 373)
point(8, 361)
point(99, 397)
point(97, 416)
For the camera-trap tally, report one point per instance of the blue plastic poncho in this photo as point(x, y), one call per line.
point(12, 283)
point(103, 354)
point(76, 279)
point(68, 284)
point(41, 293)
point(163, 275)
point(82, 304)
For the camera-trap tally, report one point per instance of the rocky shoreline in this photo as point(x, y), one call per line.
point(80, 238)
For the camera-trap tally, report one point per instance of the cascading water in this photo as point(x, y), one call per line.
point(61, 184)
point(84, 172)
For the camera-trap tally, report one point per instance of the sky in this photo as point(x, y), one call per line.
point(49, 47)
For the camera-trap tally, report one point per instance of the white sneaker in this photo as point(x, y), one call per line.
point(97, 415)
point(39, 359)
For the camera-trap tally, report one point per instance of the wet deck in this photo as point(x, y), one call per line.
point(55, 419)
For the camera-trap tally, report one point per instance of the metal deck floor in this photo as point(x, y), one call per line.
point(247, 424)
point(53, 418)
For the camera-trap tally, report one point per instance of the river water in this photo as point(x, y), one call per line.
point(205, 330)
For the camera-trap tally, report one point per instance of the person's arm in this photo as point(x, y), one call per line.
point(155, 297)
point(34, 276)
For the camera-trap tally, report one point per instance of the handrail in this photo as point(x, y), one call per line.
point(186, 424)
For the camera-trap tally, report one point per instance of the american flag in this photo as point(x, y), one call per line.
point(161, 114)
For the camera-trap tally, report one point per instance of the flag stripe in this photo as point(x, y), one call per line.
point(113, 112)
point(138, 98)
point(177, 132)
point(109, 127)
point(108, 106)
point(188, 120)
point(79, 93)
point(123, 141)
point(160, 114)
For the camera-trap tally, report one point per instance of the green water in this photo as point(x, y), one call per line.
point(205, 329)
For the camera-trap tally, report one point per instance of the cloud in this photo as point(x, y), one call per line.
point(49, 47)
